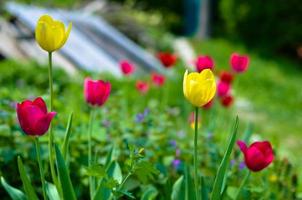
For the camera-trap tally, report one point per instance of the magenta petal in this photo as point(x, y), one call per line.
point(39, 102)
point(241, 144)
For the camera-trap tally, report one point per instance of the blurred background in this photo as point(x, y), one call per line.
point(267, 97)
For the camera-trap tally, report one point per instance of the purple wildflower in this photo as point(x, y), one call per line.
point(176, 163)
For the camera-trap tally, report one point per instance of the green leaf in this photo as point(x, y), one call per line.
point(183, 188)
point(29, 190)
point(96, 171)
point(232, 192)
point(67, 136)
point(109, 157)
point(14, 193)
point(145, 170)
point(52, 191)
point(218, 183)
point(63, 173)
point(150, 193)
point(114, 173)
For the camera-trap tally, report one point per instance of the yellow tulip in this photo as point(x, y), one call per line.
point(199, 88)
point(51, 34)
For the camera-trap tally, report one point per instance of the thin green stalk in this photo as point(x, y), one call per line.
point(37, 144)
point(91, 179)
point(195, 155)
point(242, 184)
point(50, 142)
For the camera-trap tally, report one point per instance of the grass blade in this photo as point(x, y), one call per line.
point(29, 190)
point(67, 136)
point(14, 193)
point(66, 185)
point(224, 163)
point(52, 191)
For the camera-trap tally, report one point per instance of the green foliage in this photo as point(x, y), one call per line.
point(14, 193)
point(272, 24)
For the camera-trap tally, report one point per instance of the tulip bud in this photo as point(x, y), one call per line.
point(158, 79)
point(142, 86)
point(239, 63)
point(96, 92)
point(199, 88)
point(227, 101)
point(204, 62)
point(226, 77)
point(126, 67)
point(223, 88)
point(167, 59)
point(33, 117)
point(258, 155)
point(51, 34)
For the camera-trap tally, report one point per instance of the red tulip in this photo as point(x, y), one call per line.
point(167, 59)
point(223, 88)
point(258, 155)
point(96, 92)
point(226, 77)
point(142, 86)
point(208, 105)
point(33, 116)
point(127, 67)
point(227, 101)
point(158, 79)
point(204, 62)
point(239, 63)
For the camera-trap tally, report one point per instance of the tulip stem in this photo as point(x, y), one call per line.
point(195, 155)
point(37, 144)
point(242, 184)
point(91, 179)
point(50, 142)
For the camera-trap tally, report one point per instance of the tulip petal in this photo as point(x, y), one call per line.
point(39, 102)
point(41, 126)
point(241, 144)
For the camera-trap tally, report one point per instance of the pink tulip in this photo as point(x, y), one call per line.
point(96, 92)
point(239, 63)
point(204, 62)
point(158, 79)
point(223, 88)
point(127, 67)
point(142, 86)
point(258, 155)
point(226, 77)
point(33, 116)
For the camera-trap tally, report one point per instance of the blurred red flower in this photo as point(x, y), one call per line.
point(33, 116)
point(239, 63)
point(226, 77)
point(209, 104)
point(96, 92)
point(227, 101)
point(204, 62)
point(127, 67)
point(142, 86)
point(158, 79)
point(223, 88)
point(167, 59)
point(258, 155)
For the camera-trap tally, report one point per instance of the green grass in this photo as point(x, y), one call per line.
point(268, 95)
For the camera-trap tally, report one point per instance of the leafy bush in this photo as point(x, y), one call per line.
point(275, 24)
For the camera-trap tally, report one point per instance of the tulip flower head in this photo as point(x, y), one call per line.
point(167, 59)
point(127, 67)
point(226, 77)
point(142, 86)
point(199, 88)
point(258, 155)
point(204, 62)
point(239, 63)
point(96, 92)
point(158, 79)
point(33, 117)
point(227, 101)
point(223, 88)
point(51, 34)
